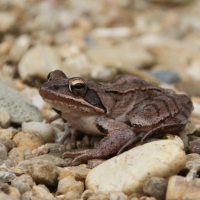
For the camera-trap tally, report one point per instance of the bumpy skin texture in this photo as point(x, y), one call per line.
point(125, 110)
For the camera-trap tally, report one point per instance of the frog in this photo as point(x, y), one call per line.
point(124, 111)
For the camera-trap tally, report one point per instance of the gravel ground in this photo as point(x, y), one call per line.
point(157, 40)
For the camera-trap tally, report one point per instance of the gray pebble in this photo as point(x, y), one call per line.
point(6, 176)
point(166, 76)
point(19, 108)
point(23, 183)
point(59, 162)
point(155, 187)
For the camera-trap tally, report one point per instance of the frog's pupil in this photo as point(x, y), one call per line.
point(78, 86)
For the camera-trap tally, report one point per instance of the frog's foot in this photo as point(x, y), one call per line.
point(72, 134)
point(83, 155)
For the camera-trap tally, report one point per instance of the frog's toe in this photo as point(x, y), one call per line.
point(74, 153)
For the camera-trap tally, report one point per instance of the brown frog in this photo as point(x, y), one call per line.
point(125, 110)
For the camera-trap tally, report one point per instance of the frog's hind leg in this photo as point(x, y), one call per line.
point(109, 145)
point(174, 129)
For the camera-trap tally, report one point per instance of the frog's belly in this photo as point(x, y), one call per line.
point(85, 124)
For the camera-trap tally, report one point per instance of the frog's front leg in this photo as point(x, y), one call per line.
point(118, 134)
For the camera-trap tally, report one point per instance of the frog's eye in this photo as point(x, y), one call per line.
point(77, 86)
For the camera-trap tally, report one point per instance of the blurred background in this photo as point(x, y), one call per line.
point(157, 40)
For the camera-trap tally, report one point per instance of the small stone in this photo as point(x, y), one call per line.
point(59, 162)
point(161, 158)
point(189, 129)
point(19, 108)
point(3, 151)
point(20, 46)
point(41, 192)
point(94, 162)
point(69, 184)
point(44, 149)
point(9, 144)
point(118, 196)
point(86, 194)
point(45, 60)
point(182, 188)
point(155, 187)
point(72, 195)
point(27, 140)
point(194, 146)
point(116, 32)
point(14, 192)
point(99, 197)
point(23, 183)
point(7, 133)
point(16, 156)
point(4, 119)
point(78, 172)
point(44, 130)
point(43, 172)
point(166, 76)
point(120, 57)
point(4, 196)
point(7, 21)
point(6, 176)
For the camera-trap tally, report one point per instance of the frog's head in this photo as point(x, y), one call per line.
point(75, 94)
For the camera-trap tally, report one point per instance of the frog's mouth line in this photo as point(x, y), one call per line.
point(65, 101)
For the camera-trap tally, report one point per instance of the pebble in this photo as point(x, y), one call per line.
point(8, 143)
point(44, 130)
point(86, 194)
point(45, 60)
point(6, 177)
point(7, 21)
point(166, 76)
point(72, 195)
point(4, 119)
point(59, 162)
point(155, 187)
point(161, 158)
point(118, 196)
point(69, 184)
point(43, 172)
point(99, 197)
point(19, 48)
point(3, 151)
point(41, 192)
point(19, 109)
point(11, 191)
point(7, 133)
point(23, 183)
point(16, 156)
point(27, 140)
point(182, 188)
point(4, 196)
point(120, 57)
point(79, 173)
point(194, 146)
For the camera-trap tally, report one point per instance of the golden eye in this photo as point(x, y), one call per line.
point(77, 86)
